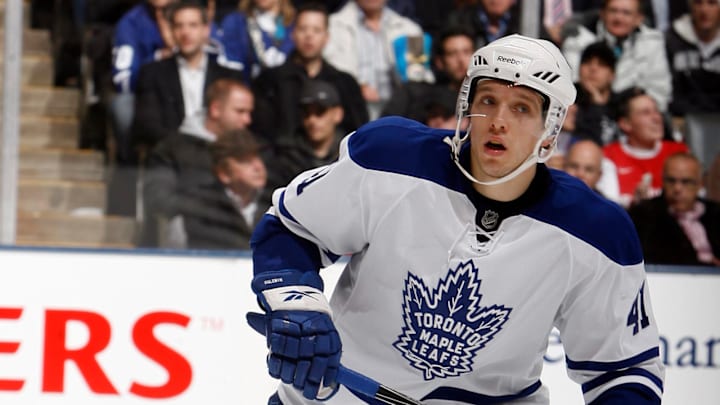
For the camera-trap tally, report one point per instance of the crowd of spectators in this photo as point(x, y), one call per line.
point(310, 72)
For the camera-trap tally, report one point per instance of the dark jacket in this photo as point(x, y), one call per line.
point(696, 79)
point(469, 16)
point(414, 100)
point(662, 238)
point(292, 156)
point(218, 225)
point(174, 168)
point(596, 122)
point(277, 95)
point(159, 105)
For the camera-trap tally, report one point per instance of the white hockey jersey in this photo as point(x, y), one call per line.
point(449, 297)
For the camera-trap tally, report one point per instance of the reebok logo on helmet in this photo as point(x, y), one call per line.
point(512, 60)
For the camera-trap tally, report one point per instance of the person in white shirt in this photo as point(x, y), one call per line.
point(361, 37)
point(639, 49)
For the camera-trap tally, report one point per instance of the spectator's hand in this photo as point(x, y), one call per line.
point(644, 190)
point(598, 96)
point(370, 94)
point(211, 10)
point(164, 27)
point(555, 33)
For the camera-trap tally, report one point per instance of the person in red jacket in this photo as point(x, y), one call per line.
point(639, 154)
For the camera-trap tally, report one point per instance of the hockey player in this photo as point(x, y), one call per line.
point(464, 251)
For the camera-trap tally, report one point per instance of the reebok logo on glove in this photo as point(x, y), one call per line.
point(298, 295)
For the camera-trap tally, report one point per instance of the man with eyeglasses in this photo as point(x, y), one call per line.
point(679, 227)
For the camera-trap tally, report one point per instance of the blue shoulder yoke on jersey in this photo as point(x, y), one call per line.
point(402, 146)
point(583, 213)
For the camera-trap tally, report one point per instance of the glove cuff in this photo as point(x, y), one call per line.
point(291, 290)
point(279, 278)
point(295, 298)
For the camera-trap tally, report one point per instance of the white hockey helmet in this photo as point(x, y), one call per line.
point(523, 61)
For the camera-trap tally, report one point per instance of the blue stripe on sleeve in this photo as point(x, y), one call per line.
point(284, 212)
point(598, 381)
point(628, 394)
point(612, 365)
point(283, 209)
point(469, 397)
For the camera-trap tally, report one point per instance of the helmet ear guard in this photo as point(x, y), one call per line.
point(534, 63)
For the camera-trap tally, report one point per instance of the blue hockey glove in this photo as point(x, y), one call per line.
point(304, 345)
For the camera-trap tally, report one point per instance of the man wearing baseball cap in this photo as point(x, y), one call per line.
point(316, 142)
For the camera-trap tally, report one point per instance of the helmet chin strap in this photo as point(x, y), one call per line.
point(457, 141)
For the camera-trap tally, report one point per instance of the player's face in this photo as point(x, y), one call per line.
point(455, 59)
point(644, 124)
point(621, 17)
point(189, 31)
point(320, 122)
point(584, 161)
point(506, 135)
point(681, 183)
point(705, 15)
point(236, 111)
point(310, 34)
point(247, 174)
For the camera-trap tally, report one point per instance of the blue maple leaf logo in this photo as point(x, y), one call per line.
point(446, 327)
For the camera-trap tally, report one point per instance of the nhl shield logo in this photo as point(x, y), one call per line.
point(445, 327)
point(490, 219)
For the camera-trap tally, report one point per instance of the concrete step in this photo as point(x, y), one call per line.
point(48, 132)
point(61, 196)
point(37, 70)
point(26, 13)
point(52, 229)
point(34, 41)
point(37, 131)
point(49, 101)
point(61, 164)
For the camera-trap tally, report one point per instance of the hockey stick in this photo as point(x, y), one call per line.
point(365, 385)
